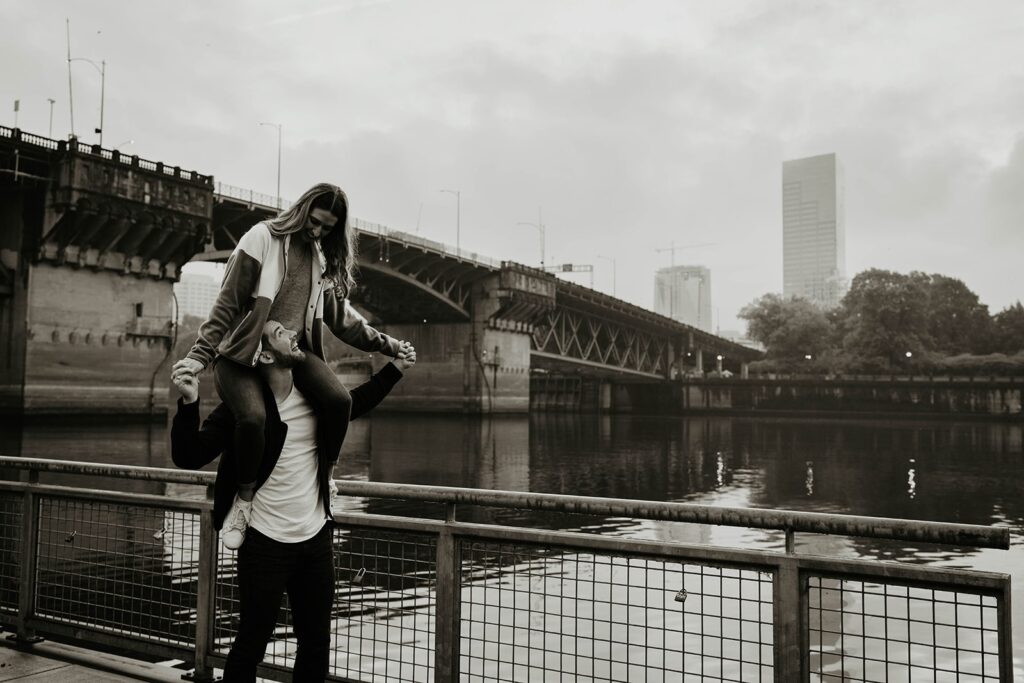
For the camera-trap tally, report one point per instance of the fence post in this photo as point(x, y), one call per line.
point(205, 596)
point(447, 619)
point(29, 563)
point(789, 607)
point(1005, 617)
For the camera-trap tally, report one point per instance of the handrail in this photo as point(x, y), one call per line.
point(970, 535)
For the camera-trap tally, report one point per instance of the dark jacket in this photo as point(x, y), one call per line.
point(193, 447)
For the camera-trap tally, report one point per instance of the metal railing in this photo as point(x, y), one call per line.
point(442, 599)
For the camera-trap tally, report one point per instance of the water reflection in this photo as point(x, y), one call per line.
point(970, 472)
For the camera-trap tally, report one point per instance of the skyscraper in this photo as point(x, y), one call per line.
point(813, 230)
point(196, 294)
point(683, 293)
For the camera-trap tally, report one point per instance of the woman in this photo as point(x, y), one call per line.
point(296, 269)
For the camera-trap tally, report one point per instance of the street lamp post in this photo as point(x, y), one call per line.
point(102, 69)
point(278, 126)
point(540, 227)
point(609, 258)
point(458, 220)
point(52, 102)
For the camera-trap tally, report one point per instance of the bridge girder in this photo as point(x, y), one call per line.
point(601, 343)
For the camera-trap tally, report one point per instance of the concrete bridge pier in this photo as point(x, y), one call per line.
point(483, 365)
point(90, 246)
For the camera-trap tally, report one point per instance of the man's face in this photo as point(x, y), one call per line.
point(282, 345)
point(319, 224)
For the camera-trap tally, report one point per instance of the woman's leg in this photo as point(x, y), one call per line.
point(241, 388)
point(321, 387)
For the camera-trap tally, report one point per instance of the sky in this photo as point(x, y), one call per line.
point(623, 126)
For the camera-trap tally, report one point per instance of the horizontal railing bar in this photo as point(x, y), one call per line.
point(99, 635)
point(164, 474)
point(128, 497)
point(939, 578)
point(971, 535)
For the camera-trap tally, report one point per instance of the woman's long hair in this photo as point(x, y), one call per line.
point(338, 245)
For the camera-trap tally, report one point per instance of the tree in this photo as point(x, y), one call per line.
point(957, 321)
point(790, 329)
point(1008, 329)
point(884, 316)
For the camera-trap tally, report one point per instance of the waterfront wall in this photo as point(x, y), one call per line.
point(992, 398)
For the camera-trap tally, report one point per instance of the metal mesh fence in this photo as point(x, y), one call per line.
point(383, 625)
point(538, 613)
point(865, 631)
point(121, 568)
point(10, 550)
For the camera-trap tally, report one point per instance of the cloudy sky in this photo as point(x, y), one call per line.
point(631, 124)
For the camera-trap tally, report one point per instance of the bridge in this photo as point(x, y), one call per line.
point(91, 242)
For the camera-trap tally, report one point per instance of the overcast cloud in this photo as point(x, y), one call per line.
point(632, 124)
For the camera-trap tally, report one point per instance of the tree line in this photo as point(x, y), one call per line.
point(889, 322)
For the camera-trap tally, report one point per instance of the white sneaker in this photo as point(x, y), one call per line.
point(233, 532)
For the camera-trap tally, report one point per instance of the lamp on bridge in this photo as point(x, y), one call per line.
point(540, 227)
point(102, 69)
point(278, 126)
point(458, 219)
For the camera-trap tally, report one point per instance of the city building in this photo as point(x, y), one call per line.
point(813, 230)
point(683, 293)
point(196, 293)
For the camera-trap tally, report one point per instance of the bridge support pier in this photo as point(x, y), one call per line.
point(463, 368)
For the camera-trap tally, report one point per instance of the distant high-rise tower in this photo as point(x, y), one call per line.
point(813, 230)
point(196, 294)
point(683, 293)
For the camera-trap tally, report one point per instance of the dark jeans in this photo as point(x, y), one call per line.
point(241, 388)
point(266, 569)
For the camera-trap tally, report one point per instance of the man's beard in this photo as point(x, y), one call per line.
point(289, 359)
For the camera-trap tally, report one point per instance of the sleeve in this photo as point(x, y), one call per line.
point(368, 395)
point(350, 327)
point(192, 446)
point(240, 279)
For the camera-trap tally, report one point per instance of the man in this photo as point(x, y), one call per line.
point(288, 543)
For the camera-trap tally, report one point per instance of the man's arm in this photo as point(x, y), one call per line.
point(192, 446)
point(368, 395)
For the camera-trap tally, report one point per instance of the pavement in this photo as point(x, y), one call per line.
point(47, 661)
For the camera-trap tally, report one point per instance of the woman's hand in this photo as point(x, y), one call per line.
point(188, 385)
point(406, 361)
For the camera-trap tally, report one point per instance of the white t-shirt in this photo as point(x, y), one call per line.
point(287, 508)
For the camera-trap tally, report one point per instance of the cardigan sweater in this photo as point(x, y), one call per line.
point(252, 279)
point(194, 447)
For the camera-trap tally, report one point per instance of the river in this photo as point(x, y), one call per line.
point(970, 472)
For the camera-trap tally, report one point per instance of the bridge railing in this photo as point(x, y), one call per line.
point(443, 599)
point(76, 145)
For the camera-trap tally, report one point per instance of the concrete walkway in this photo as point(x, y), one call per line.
point(58, 663)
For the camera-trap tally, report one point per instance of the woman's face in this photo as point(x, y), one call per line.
point(319, 224)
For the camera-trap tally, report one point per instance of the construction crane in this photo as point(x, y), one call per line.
point(673, 248)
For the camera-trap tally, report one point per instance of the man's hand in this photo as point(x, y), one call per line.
point(404, 349)
point(406, 360)
point(189, 365)
point(187, 384)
